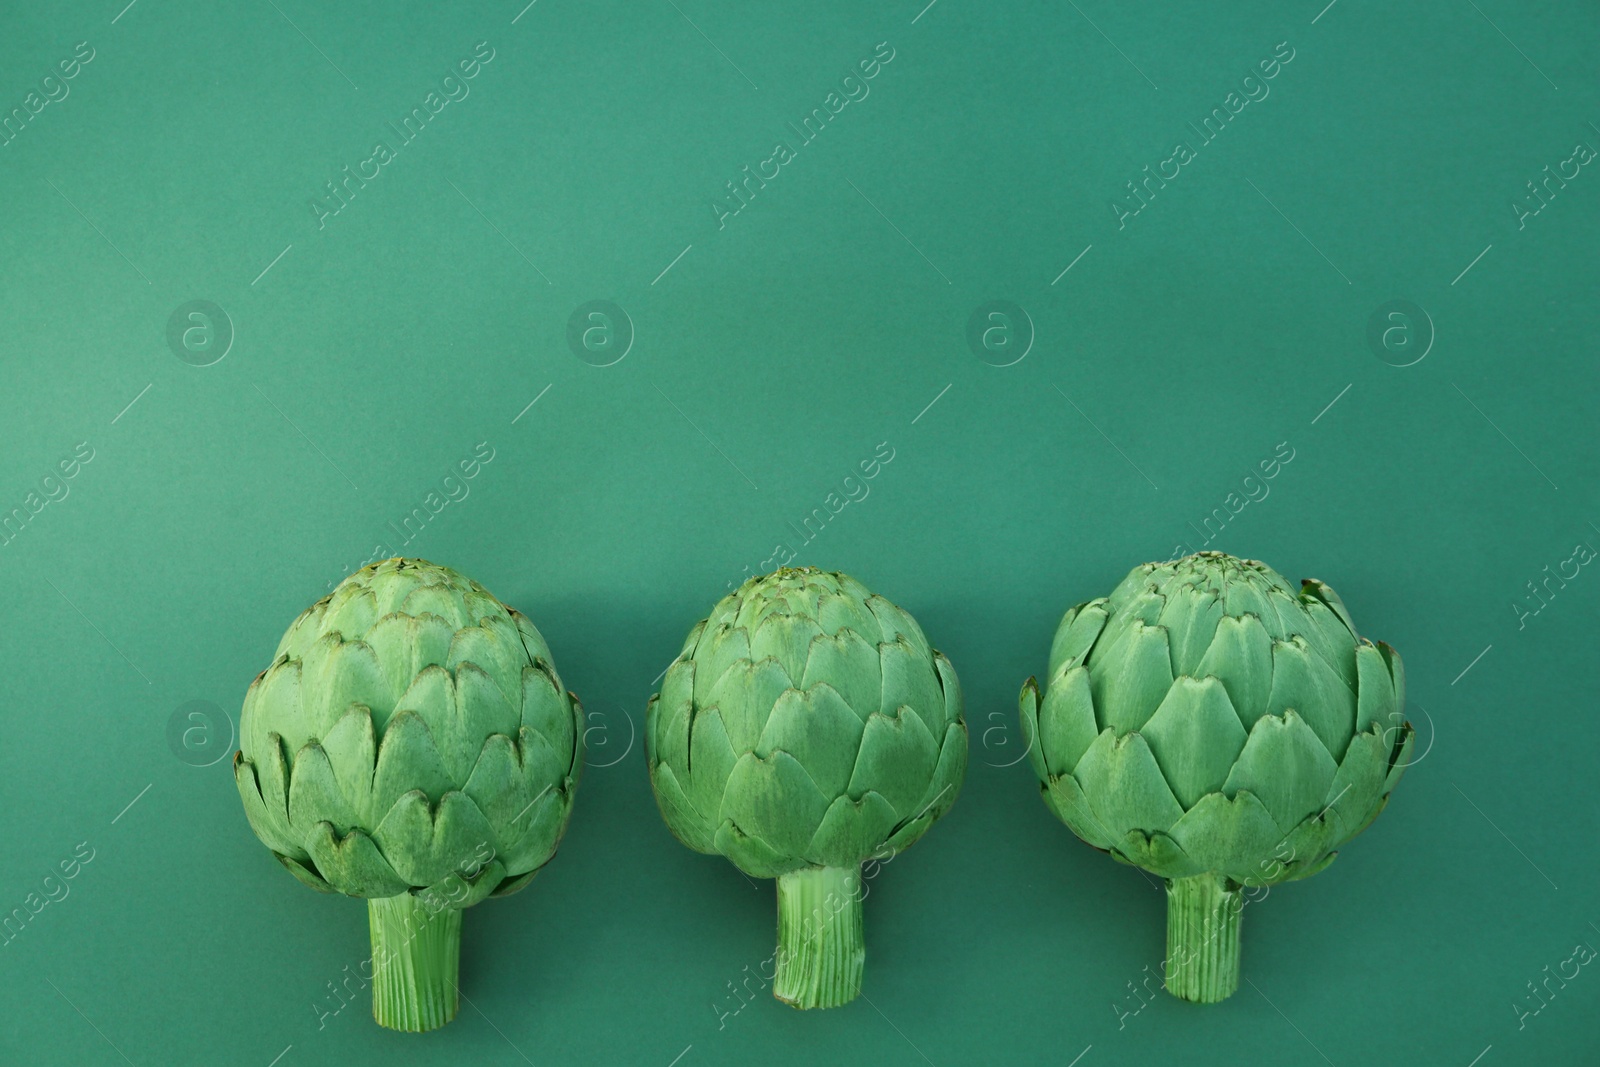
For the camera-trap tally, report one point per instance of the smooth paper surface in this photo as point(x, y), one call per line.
point(610, 306)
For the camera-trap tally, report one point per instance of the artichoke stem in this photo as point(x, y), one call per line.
point(1203, 938)
point(820, 950)
point(416, 961)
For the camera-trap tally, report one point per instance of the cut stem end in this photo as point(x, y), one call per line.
point(820, 950)
point(1203, 938)
point(416, 963)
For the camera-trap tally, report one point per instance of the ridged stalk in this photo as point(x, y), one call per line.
point(416, 962)
point(1203, 938)
point(820, 950)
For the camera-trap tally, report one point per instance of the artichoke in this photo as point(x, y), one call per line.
point(1214, 726)
point(412, 744)
point(806, 727)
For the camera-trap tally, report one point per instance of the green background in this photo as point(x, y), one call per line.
point(770, 357)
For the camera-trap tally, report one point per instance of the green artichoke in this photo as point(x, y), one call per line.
point(1212, 725)
point(806, 727)
point(411, 743)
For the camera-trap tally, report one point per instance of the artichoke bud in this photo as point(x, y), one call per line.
point(1212, 724)
point(807, 727)
point(410, 743)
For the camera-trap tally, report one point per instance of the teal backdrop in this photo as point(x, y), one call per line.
point(1073, 272)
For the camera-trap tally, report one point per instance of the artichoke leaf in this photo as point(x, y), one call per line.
point(498, 784)
point(1190, 619)
point(1121, 779)
point(462, 892)
point(688, 824)
point(894, 623)
point(486, 649)
point(1292, 618)
point(390, 641)
point(897, 759)
point(817, 728)
point(948, 775)
point(350, 674)
point(531, 839)
point(353, 865)
point(541, 764)
point(667, 713)
point(1241, 656)
point(1302, 869)
point(1142, 610)
point(575, 763)
point(438, 600)
point(272, 777)
point(1195, 736)
point(1375, 703)
point(546, 711)
point(1400, 757)
point(1233, 836)
point(721, 649)
point(1129, 681)
point(352, 750)
point(1157, 853)
point(533, 642)
point(456, 738)
point(1079, 630)
point(424, 846)
point(1358, 784)
point(745, 695)
point(1066, 721)
point(272, 708)
point(905, 835)
point(838, 614)
point(785, 638)
point(714, 759)
point(1065, 797)
point(1146, 577)
point(752, 855)
point(666, 731)
point(1397, 672)
point(271, 824)
point(305, 874)
point(1286, 767)
point(851, 831)
point(305, 629)
point(514, 885)
point(690, 642)
point(1242, 599)
point(1303, 681)
point(1323, 593)
point(909, 680)
point(1028, 714)
point(351, 609)
point(407, 760)
point(314, 794)
point(776, 801)
point(1310, 842)
point(1330, 639)
point(482, 708)
point(850, 665)
point(478, 605)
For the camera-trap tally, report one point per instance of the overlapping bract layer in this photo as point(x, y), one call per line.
point(411, 734)
point(1207, 717)
point(806, 723)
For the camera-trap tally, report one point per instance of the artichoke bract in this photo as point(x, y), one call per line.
point(412, 744)
point(1217, 727)
point(806, 727)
